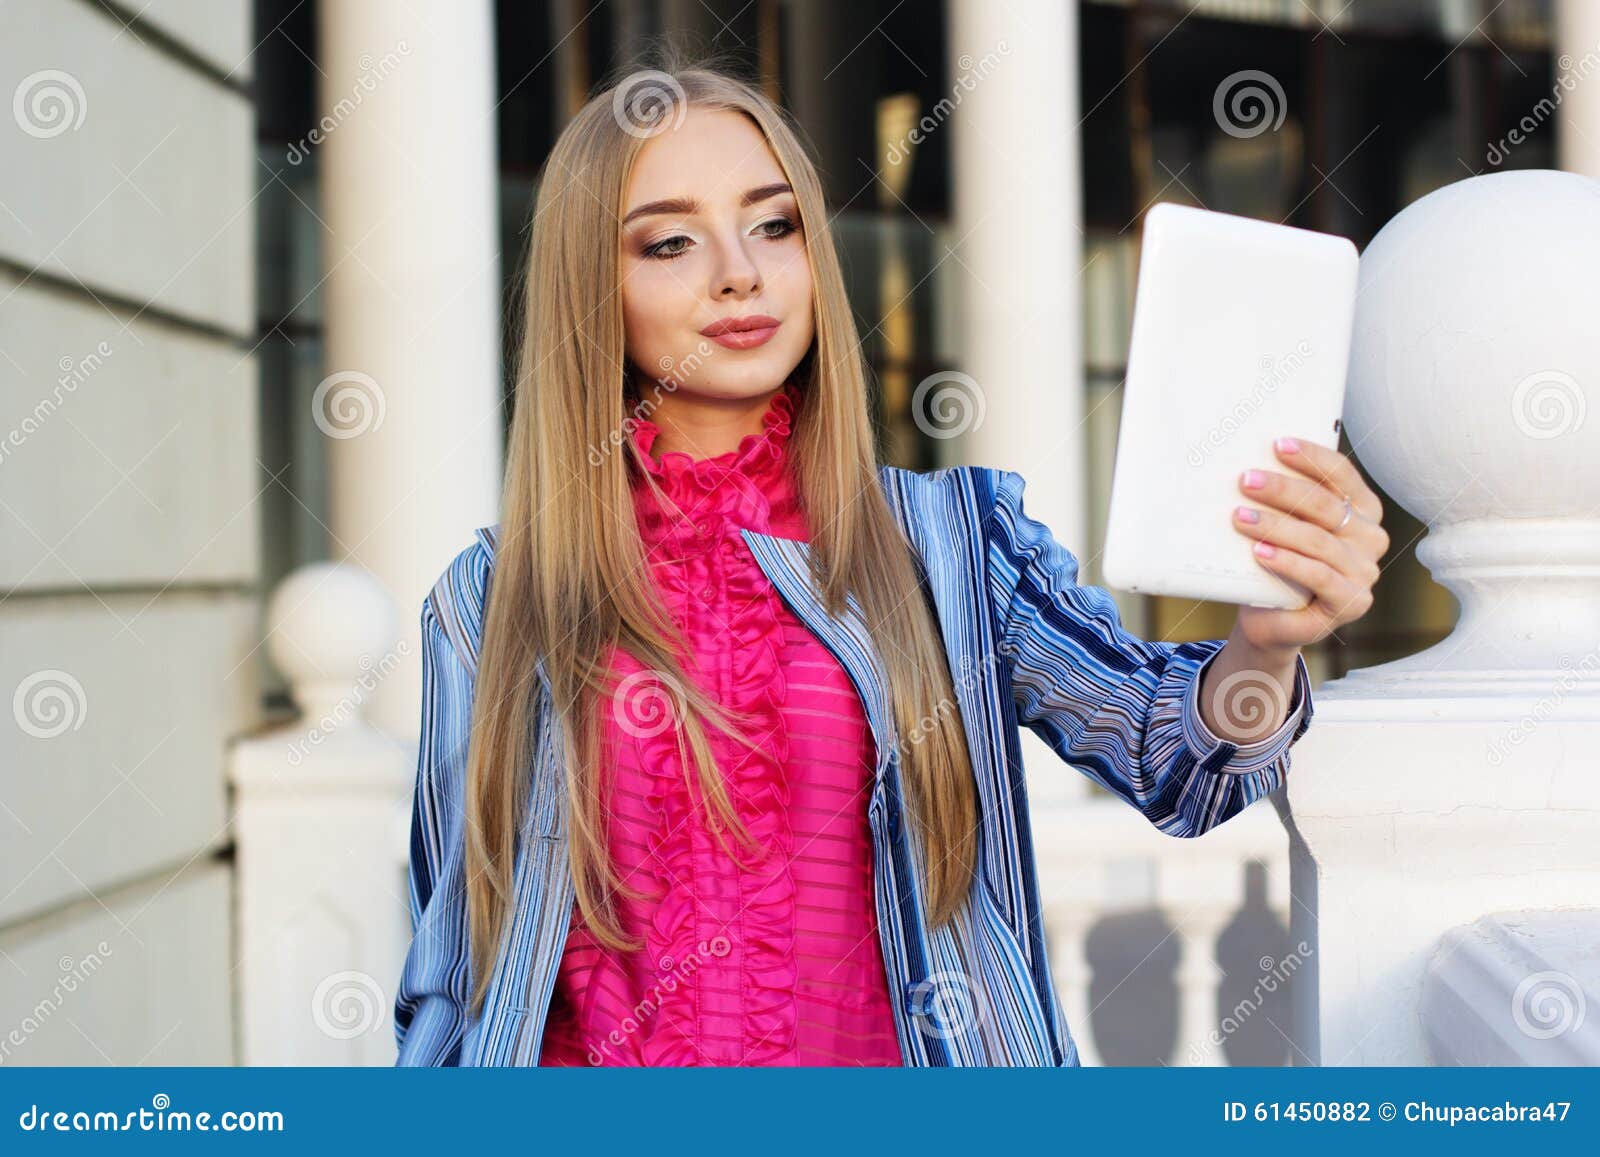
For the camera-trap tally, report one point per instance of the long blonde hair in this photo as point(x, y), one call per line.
point(570, 578)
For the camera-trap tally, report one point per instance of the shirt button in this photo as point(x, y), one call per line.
point(916, 996)
point(709, 593)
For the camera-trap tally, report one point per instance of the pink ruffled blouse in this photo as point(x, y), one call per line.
point(775, 964)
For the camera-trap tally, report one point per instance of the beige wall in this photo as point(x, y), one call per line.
point(128, 530)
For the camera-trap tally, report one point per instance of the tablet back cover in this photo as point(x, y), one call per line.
point(1241, 333)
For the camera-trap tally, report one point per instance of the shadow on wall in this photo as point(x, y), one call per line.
point(1134, 958)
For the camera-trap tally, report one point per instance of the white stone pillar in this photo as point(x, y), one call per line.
point(1018, 238)
point(1577, 51)
point(411, 401)
point(323, 917)
point(1463, 780)
point(1017, 252)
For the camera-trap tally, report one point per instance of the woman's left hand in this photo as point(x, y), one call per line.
point(1299, 536)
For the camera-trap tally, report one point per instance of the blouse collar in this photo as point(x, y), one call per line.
point(759, 457)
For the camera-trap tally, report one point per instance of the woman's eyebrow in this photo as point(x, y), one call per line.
point(685, 206)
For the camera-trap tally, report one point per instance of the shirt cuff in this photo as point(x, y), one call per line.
point(1258, 753)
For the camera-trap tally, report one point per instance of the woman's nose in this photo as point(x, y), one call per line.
point(737, 273)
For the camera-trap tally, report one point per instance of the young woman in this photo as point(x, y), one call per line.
point(722, 766)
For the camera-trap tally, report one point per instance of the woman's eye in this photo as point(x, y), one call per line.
point(783, 227)
point(676, 246)
point(667, 248)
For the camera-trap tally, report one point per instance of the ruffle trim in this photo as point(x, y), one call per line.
point(754, 450)
point(716, 917)
point(704, 502)
point(720, 942)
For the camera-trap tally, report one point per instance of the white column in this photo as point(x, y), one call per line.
point(1017, 247)
point(1463, 780)
point(1018, 238)
point(1577, 51)
point(411, 254)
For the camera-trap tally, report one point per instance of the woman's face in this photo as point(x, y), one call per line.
point(711, 234)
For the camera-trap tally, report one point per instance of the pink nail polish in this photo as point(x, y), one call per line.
point(1289, 445)
point(1253, 479)
point(1248, 514)
point(1265, 549)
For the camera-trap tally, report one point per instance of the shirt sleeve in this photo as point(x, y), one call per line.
point(1123, 710)
point(430, 1002)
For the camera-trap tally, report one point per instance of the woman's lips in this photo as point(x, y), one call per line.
point(742, 333)
point(744, 339)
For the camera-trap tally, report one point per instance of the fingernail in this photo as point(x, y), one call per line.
point(1289, 445)
point(1266, 549)
point(1247, 513)
point(1253, 479)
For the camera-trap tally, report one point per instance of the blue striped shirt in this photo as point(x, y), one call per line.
point(1027, 646)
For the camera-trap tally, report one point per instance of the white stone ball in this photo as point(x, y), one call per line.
point(328, 623)
point(1474, 387)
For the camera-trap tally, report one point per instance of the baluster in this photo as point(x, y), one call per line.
point(1069, 961)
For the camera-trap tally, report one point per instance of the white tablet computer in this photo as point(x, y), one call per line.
point(1241, 334)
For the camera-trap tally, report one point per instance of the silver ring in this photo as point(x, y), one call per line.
point(1349, 512)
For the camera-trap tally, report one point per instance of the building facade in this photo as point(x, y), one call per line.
point(254, 261)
